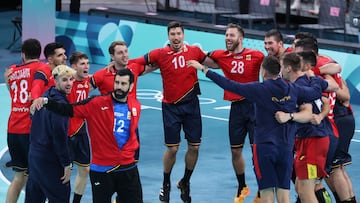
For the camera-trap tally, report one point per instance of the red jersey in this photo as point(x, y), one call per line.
point(323, 60)
point(20, 82)
point(104, 78)
point(99, 115)
point(43, 79)
point(79, 92)
point(177, 78)
point(242, 67)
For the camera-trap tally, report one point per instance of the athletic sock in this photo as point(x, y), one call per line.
point(166, 179)
point(77, 198)
point(350, 200)
point(241, 181)
point(187, 175)
point(336, 196)
point(323, 196)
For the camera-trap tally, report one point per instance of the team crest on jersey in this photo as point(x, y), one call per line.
point(80, 86)
point(248, 57)
point(185, 49)
point(134, 112)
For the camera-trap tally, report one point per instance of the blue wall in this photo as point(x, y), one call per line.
point(93, 35)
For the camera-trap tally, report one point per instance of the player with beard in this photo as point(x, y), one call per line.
point(242, 65)
point(113, 168)
point(55, 55)
point(103, 78)
point(180, 104)
point(274, 43)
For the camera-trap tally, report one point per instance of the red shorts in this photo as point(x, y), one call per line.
point(310, 157)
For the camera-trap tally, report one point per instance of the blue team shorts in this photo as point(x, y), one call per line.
point(79, 147)
point(186, 115)
point(18, 145)
point(273, 165)
point(241, 122)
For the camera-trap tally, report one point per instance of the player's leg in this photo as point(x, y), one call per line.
point(192, 127)
point(15, 187)
point(172, 127)
point(241, 122)
point(18, 145)
point(80, 152)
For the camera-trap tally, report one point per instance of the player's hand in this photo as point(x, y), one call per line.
point(194, 64)
point(310, 73)
point(316, 119)
point(110, 66)
point(282, 117)
point(67, 174)
point(37, 104)
point(7, 73)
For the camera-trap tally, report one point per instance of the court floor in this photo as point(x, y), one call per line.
point(213, 180)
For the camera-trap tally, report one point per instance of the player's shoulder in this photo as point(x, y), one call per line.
point(253, 51)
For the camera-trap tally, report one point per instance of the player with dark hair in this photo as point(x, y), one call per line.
point(273, 142)
point(19, 79)
point(112, 120)
point(242, 65)
point(78, 137)
point(274, 43)
point(55, 55)
point(180, 104)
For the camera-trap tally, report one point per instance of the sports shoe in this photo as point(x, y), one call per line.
point(257, 200)
point(164, 195)
point(185, 191)
point(244, 193)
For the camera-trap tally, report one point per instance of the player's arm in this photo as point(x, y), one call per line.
point(140, 60)
point(7, 74)
point(343, 94)
point(38, 85)
point(330, 68)
point(325, 109)
point(333, 86)
point(209, 62)
point(304, 115)
point(59, 108)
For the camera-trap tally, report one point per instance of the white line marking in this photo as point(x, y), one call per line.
point(2, 177)
point(204, 116)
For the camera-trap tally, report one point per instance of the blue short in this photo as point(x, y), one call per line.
point(19, 150)
point(186, 115)
point(241, 122)
point(273, 166)
point(79, 147)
